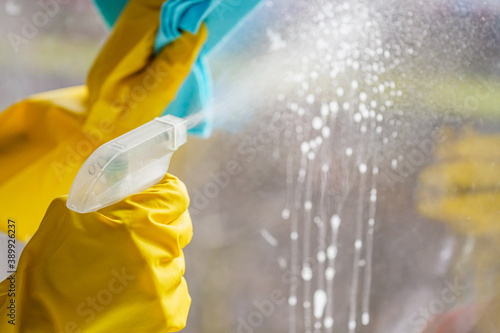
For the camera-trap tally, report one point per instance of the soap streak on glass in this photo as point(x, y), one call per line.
point(336, 130)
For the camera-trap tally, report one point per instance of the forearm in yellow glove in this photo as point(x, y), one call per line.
point(45, 139)
point(116, 270)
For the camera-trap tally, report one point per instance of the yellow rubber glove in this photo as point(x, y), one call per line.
point(463, 190)
point(128, 84)
point(116, 270)
point(45, 139)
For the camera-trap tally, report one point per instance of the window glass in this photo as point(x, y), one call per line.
point(352, 183)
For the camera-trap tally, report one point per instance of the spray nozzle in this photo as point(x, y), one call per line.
point(126, 165)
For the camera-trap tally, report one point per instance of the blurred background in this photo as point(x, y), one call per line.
point(329, 198)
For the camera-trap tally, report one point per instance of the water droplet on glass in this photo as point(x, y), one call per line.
point(317, 123)
point(394, 163)
point(328, 322)
point(306, 273)
point(331, 251)
point(12, 8)
point(304, 147)
point(310, 99)
point(334, 107)
point(268, 237)
point(362, 168)
point(329, 273)
point(324, 110)
point(325, 132)
point(277, 43)
point(335, 221)
point(282, 262)
point(320, 300)
point(365, 318)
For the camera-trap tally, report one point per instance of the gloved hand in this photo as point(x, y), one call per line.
point(128, 84)
point(119, 269)
point(463, 190)
point(45, 139)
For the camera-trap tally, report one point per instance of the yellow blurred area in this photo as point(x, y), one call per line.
point(462, 189)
